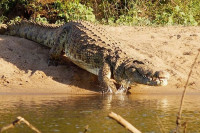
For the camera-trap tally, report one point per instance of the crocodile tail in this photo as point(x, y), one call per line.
point(44, 34)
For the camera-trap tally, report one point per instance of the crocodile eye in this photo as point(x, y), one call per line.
point(156, 75)
point(154, 78)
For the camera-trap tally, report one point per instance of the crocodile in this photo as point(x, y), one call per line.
point(91, 48)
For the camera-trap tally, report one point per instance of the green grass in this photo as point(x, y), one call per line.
point(124, 12)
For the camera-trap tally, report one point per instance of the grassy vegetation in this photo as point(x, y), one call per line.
point(121, 12)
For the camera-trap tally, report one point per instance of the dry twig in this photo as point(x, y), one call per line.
point(123, 122)
point(86, 128)
point(183, 95)
point(18, 121)
point(184, 125)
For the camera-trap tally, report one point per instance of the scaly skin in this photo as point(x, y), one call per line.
point(90, 48)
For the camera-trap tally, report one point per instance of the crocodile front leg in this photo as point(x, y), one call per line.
point(105, 79)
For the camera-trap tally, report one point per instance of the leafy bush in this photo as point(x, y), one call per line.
point(74, 11)
point(132, 17)
point(43, 11)
point(171, 15)
point(3, 19)
point(126, 12)
point(16, 19)
point(41, 19)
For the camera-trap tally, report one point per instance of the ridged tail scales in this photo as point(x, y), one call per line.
point(40, 33)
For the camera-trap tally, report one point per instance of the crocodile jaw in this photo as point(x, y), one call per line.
point(155, 82)
point(159, 78)
point(162, 82)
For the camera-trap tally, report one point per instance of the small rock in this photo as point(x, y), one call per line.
point(2, 77)
point(178, 36)
point(193, 35)
point(152, 37)
point(10, 49)
point(187, 53)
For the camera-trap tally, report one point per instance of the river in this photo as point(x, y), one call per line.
point(62, 113)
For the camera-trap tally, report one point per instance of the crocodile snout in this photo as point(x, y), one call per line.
point(161, 78)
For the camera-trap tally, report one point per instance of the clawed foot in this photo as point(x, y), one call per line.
point(122, 90)
point(107, 91)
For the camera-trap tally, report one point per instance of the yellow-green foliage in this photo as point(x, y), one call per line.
point(126, 12)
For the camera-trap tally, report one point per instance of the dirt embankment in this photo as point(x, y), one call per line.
point(24, 69)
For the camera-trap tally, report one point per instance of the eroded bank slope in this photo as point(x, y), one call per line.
point(24, 69)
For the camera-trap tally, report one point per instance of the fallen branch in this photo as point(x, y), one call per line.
point(178, 123)
point(184, 125)
point(86, 128)
point(18, 121)
point(123, 122)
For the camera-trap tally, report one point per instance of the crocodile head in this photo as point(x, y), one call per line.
point(158, 78)
point(141, 73)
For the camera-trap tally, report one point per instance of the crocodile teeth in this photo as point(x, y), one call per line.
point(163, 82)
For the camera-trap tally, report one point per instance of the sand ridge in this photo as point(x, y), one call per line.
point(24, 68)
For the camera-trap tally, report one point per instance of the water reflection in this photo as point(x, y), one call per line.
point(63, 113)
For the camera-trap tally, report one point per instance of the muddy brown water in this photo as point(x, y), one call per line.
point(71, 113)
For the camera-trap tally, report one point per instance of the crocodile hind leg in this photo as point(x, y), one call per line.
point(105, 79)
point(58, 48)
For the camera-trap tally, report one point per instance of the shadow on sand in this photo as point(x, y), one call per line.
point(29, 56)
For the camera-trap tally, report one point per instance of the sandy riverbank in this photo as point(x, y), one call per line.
point(24, 69)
